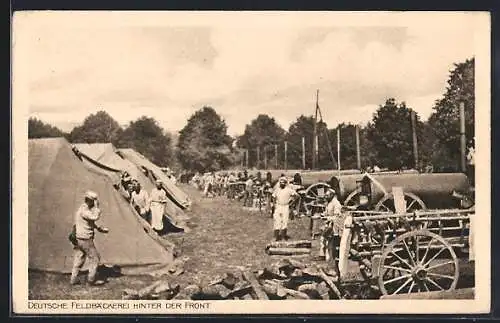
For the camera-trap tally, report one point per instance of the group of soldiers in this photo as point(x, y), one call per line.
point(280, 197)
point(253, 190)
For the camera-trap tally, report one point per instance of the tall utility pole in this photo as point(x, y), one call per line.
point(276, 156)
point(258, 157)
point(265, 157)
point(338, 148)
point(315, 135)
point(327, 139)
point(303, 153)
point(414, 137)
point(463, 152)
point(358, 151)
point(286, 155)
point(246, 158)
point(242, 157)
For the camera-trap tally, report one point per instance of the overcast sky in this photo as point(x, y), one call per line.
point(169, 66)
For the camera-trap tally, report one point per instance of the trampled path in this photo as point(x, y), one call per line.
point(225, 236)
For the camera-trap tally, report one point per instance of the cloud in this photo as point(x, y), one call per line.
point(167, 72)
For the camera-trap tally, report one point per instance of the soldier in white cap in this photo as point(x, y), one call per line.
point(140, 201)
point(158, 199)
point(84, 248)
point(282, 196)
point(333, 228)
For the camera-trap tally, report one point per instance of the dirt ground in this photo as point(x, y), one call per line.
point(224, 237)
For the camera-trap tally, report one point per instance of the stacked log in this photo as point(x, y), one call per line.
point(289, 248)
point(284, 279)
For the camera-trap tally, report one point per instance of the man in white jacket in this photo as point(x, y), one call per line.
point(282, 196)
point(158, 200)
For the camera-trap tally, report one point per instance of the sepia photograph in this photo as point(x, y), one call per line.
point(250, 162)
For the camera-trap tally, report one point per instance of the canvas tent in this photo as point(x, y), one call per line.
point(174, 192)
point(57, 181)
point(103, 159)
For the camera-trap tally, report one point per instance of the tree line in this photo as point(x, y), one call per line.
point(144, 135)
point(385, 141)
point(204, 145)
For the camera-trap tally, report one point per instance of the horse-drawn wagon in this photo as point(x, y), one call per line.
point(405, 252)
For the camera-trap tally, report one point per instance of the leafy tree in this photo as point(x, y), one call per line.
point(304, 127)
point(427, 145)
point(367, 148)
point(262, 132)
point(39, 129)
point(445, 120)
point(391, 135)
point(174, 163)
point(204, 144)
point(97, 128)
point(148, 138)
point(348, 158)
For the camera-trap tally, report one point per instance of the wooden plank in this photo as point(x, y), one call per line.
point(345, 247)
point(399, 199)
point(275, 288)
point(250, 277)
point(290, 244)
point(330, 283)
point(464, 293)
point(288, 251)
point(471, 239)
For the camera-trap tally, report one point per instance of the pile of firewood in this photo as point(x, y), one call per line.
point(286, 279)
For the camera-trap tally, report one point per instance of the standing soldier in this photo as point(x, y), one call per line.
point(282, 195)
point(330, 239)
point(84, 248)
point(471, 163)
point(232, 179)
point(209, 183)
point(140, 201)
point(248, 191)
point(158, 200)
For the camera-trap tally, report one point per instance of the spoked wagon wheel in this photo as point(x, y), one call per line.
point(314, 197)
point(413, 203)
point(418, 261)
point(352, 200)
point(265, 205)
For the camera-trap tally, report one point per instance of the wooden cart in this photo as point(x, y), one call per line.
point(408, 252)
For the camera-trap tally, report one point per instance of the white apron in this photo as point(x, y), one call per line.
point(157, 208)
